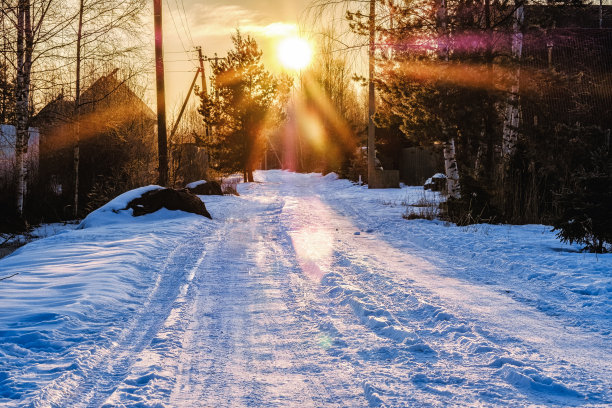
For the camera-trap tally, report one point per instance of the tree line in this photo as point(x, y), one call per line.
point(514, 95)
point(498, 89)
point(52, 50)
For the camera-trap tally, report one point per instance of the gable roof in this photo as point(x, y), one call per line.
point(106, 92)
point(109, 91)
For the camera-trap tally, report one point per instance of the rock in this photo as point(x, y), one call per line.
point(437, 182)
point(194, 184)
point(183, 200)
point(207, 188)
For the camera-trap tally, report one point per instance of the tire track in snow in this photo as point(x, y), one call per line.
point(281, 357)
point(283, 305)
point(234, 343)
point(337, 387)
point(368, 278)
point(102, 368)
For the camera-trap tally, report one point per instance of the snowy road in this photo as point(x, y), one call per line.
point(304, 291)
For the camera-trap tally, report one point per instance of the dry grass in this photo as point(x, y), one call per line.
point(424, 208)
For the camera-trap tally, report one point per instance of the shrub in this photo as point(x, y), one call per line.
point(585, 206)
point(474, 206)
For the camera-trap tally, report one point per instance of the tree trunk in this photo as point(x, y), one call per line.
point(511, 121)
point(452, 172)
point(371, 98)
point(25, 45)
point(77, 117)
point(250, 176)
point(442, 23)
point(4, 75)
point(450, 159)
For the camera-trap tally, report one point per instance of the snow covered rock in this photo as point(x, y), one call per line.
point(204, 187)
point(115, 211)
point(437, 182)
point(331, 176)
point(170, 199)
point(194, 184)
point(142, 201)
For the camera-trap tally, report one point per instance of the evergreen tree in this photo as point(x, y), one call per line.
point(586, 203)
point(445, 80)
point(245, 101)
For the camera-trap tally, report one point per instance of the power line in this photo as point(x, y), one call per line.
point(177, 32)
point(185, 23)
point(182, 60)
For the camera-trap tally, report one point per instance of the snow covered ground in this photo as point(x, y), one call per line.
point(10, 242)
point(303, 291)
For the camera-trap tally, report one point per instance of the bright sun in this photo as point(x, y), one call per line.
point(294, 53)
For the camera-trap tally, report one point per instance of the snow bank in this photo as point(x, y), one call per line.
point(527, 262)
point(83, 295)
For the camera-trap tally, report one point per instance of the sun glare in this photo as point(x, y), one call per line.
point(294, 53)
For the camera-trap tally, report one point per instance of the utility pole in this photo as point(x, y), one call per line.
point(77, 112)
point(178, 120)
point(204, 92)
point(162, 140)
point(372, 181)
point(199, 49)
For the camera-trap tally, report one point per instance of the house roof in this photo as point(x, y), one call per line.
point(59, 110)
point(107, 91)
point(110, 91)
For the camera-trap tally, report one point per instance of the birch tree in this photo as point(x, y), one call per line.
point(511, 121)
point(6, 77)
point(36, 24)
point(25, 48)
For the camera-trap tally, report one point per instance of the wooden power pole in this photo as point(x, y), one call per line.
point(372, 180)
point(204, 92)
point(162, 139)
point(178, 120)
point(199, 49)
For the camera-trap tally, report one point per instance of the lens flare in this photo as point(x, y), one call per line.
point(294, 53)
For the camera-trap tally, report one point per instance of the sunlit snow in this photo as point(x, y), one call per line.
point(304, 291)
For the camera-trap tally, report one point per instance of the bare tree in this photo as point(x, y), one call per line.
point(100, 26)
point(34, 23)
point(25, 48)
point(329, 94)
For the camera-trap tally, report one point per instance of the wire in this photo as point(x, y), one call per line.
point(178, 34)
point(186, 23)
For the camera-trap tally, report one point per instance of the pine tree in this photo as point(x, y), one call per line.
point(447, 81)
point(245, 100)
point(585, 204)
